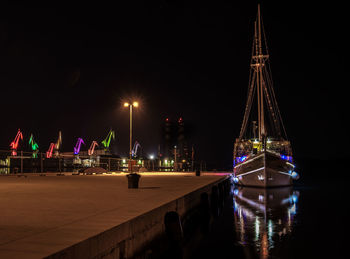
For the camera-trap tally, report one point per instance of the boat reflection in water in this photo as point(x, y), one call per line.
point(264, 219)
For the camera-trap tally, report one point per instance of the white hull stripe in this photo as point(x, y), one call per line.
point(250, 172)
point(283, 173)
point(249, 160)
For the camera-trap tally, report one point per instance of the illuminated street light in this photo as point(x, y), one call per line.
point(152, 161)
point(134, 104)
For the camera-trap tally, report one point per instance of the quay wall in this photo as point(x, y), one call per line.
point(136, 237)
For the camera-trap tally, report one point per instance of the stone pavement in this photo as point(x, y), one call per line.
point(40, 215)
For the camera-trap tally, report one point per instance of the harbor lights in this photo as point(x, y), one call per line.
point(151, 157)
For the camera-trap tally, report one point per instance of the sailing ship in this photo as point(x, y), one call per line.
point(262, 154)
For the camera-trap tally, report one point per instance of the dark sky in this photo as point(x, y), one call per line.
point(68, 66)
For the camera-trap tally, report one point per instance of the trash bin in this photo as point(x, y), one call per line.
point(133, 181)
point(198, 173)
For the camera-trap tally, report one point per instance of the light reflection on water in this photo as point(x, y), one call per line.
point(263, 218)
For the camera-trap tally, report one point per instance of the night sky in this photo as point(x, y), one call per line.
point(69, 66)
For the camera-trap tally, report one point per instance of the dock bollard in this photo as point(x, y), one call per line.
point(133, 181)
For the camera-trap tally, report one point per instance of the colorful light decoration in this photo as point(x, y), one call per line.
point(78, 145)
point(58, 143)
point(15, 142)
point(49, 152)
point(295, 175)
point(107, 141)
point(92, 148)
point(135, 148)
point(235, 179)
point(287, 158)
point(34, 146)
point(239, 159)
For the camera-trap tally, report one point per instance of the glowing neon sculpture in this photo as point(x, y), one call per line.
point(58, 143)
point(135, 148)
point(107, 141)
point(92, 148)
point(77, 146)
point(49, 152)
point(14, 143)
point(34, 146)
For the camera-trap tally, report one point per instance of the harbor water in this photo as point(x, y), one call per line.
point(308, 220)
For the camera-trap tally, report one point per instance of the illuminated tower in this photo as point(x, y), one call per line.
point(182, 145)
point(180, 139)
point(168, 138)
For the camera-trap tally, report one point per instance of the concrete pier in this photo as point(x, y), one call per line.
point(93, 216)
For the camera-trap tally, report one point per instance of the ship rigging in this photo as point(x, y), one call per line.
point(260, 158)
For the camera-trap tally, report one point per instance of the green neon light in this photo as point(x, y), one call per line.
point(107, 141)
point(34, 146)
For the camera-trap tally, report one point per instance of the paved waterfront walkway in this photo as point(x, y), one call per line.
point(40, 215)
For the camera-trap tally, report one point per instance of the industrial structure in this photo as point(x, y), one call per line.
point(175, 155)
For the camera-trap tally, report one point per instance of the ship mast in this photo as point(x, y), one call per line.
point(259, 62)
point(261, 84)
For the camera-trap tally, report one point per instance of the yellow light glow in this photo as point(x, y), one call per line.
point(126, 104)
point(135, 104)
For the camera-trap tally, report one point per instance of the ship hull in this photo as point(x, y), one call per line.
point(264, 170)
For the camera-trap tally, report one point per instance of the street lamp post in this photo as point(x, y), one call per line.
point(133, 178)
point(131, 105)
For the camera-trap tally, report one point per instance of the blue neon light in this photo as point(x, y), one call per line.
point(287, 158)
point(239, 159)
point(295, 175)
point(294, 198)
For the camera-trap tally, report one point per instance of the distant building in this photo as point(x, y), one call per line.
point(175, 152)
point(168, 138)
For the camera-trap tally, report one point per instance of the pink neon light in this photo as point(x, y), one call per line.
point(92, 148)
point(14, 143)
point(49, 152)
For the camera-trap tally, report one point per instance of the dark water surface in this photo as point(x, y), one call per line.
point(308, 220)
